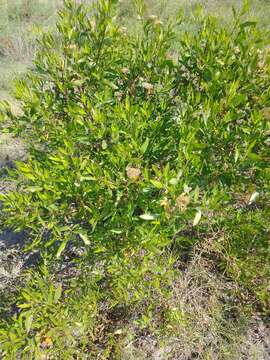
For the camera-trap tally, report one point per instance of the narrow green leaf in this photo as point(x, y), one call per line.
point(254, 157)
point(157, 184)
point(34, 189)
point(248, 24)
point(28, 322)
point(145, 146)
point(61, 249)
point(58, 293)
point(115, 231)
point(85, 239)
point(196, 194)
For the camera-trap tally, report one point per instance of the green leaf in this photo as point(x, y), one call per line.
point(28, 321)
point(61, 249)
point(104, 145)
point(85, 239)
point(24, 306)
point(34, 189)
point(248, 24)
point(173, 181)
point(115, 231)
point(145, 146)
point(111, 84)
point(254, 157)
point(157, 184)
point(58, 293)
point(236, 155)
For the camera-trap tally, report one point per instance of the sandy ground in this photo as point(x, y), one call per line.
point(12, 258)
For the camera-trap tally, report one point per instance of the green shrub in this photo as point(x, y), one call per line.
point(86, 142)
point(94, 112)
point(65, 317)
point(140, 144)
point(51, 318)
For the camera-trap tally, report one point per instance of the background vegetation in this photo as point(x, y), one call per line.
point(21, 20)
point(145, 194)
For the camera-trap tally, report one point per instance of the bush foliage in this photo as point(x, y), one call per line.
point(140, 144)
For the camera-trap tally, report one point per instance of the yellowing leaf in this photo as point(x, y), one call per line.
point(187, 189)
point(104, 145)
point(266, 113)
point(173, 181)
point(47, 342)
point(147, 217)
point(197, 218)
point(164, 202)
point(253, 197)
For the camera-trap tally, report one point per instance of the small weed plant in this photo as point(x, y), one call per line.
point(140, 146)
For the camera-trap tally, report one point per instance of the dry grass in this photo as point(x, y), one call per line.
point(20, 22)
point(259, 9)
point(15, 106)
point(11, 149)
point(210, 323)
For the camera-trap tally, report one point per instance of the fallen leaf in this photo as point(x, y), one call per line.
point(47, 342)
point(133, 173)
point(125, 70)
point(266, 113)
point(182, 202)
point(149, 87)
